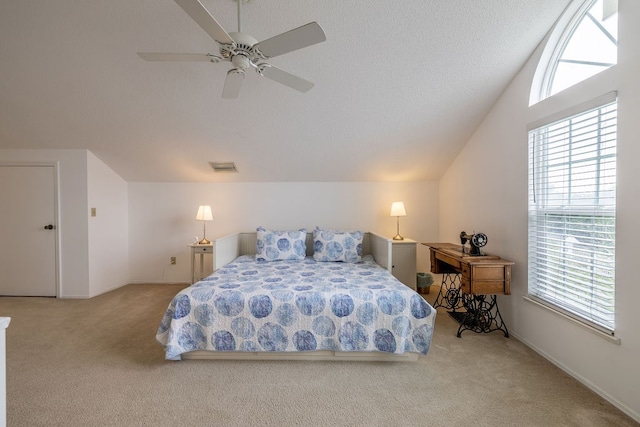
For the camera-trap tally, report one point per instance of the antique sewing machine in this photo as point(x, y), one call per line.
point(471, 279)
point(476, 241)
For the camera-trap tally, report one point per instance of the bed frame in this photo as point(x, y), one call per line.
point(228, 248)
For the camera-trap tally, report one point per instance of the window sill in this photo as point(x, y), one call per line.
point(612, 339)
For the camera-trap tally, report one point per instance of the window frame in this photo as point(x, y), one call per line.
point(535, 182)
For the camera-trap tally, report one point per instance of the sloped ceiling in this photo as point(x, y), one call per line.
point(399, 85)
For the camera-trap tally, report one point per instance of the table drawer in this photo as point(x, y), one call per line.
point(202, 249)
point(483, 280)
point(488, 273)
point(488, 287)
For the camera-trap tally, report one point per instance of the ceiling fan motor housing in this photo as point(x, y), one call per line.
point(242, 53)
point(244, 45)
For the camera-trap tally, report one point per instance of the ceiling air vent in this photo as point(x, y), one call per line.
point(224, 167)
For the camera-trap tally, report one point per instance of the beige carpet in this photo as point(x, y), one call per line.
point(96, 363)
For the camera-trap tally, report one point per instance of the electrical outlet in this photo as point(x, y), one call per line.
point(173, 260)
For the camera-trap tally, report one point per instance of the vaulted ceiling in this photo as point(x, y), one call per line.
point(400, 86)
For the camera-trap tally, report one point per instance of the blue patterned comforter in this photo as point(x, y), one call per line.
point(284, 306)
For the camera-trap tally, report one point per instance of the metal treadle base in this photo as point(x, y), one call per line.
point(481, 311)
point(449, 293)
point(458, 316)
point(481, 315)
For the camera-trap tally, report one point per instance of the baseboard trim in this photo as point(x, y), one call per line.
point(591, 386)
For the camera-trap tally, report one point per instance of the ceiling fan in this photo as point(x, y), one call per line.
point(243, 51)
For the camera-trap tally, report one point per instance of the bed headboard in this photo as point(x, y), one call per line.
point(226, 249)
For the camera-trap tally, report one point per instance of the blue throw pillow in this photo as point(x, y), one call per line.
point(279, 245)
point(335, 245)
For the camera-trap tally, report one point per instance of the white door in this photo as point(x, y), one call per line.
point(27, 230)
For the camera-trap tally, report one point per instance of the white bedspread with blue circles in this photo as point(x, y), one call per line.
point(286, 306)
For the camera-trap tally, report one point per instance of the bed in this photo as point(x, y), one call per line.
point(303, 308)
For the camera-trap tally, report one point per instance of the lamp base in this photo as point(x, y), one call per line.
point(204, 242)
point(398, 237)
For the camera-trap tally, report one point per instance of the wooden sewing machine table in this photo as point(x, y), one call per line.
point(471, 282)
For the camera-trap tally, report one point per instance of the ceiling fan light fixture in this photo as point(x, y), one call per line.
point(224, 167)
point(241, 62)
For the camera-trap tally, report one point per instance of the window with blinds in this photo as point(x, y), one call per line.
point(572, 216)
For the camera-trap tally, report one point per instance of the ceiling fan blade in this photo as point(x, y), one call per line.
point(287, 79)
point(232, 84)
point(181, 57)
point(198, 13)
point(295, 39)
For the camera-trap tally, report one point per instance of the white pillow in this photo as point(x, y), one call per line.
point(279, 245)
point(336, 245)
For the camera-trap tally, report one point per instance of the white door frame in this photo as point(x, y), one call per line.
point(56, 210)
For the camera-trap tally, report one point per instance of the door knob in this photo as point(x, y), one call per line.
point(49, 227)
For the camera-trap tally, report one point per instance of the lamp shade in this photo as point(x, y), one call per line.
point(204, 213)
point(397, 209)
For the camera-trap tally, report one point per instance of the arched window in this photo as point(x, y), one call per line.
point(573, 170)
point(587, 45)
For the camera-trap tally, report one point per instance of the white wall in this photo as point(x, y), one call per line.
point(93, 257)
point(109, 229)
point(162, 216)
point(72, 221)
point(486, 190)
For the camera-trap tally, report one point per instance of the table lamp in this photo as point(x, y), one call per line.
point(398, 210)
point(204, 214)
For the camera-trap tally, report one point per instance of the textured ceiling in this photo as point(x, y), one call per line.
point(399, 86)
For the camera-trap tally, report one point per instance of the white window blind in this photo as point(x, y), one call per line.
point(572, 201)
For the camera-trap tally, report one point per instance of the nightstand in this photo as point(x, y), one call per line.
point(403, 259)
point(201, 251)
